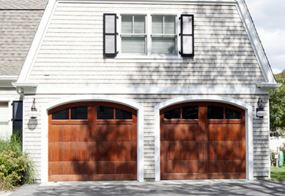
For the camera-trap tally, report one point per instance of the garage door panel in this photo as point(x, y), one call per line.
point(227, 150)
point(117, 151)
point(230, 166)
point(107, 133)
point(186, 150)
point(82, 177)
point(226, 132)
point(107, 167)
point(69, 133)
point(64, 151)
point(72, 167)
point(186, 166)
point(183, 132)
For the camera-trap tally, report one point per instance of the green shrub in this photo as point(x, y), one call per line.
point(15, 167)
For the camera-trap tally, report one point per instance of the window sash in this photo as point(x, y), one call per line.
point(128, 37)
point(163, 25)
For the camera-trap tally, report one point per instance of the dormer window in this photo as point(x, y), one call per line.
point(149, 35)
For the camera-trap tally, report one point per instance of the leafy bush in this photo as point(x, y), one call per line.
point(15, 167)
point(277, 108)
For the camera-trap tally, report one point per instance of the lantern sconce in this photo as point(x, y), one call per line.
point(260, 112)
point(34, 109)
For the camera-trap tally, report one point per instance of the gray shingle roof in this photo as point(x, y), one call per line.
point(23, 4)
point(19, 22)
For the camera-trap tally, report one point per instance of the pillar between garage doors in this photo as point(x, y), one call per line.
point(208, 98)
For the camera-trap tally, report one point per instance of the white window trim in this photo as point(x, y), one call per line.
point(148, 30)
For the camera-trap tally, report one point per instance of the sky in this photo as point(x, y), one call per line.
point(269, 18)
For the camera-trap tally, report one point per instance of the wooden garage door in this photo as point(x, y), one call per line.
point(92, 141)
point(203, 141)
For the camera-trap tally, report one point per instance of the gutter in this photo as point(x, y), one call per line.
point(267, 85)
point(6, 81)
point(25, 88)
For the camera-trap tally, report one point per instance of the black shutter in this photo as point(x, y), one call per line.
point(110, 35)
point(187, 35)
point(17, 118)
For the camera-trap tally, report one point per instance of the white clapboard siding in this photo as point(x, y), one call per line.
point(72, 48)
point(4, 120)
point(33, 145)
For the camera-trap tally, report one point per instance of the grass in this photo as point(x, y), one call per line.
point(278, 173)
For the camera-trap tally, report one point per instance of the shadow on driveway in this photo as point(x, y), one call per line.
point(163, 188)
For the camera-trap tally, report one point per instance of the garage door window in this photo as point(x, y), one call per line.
point(123, 114)
point(79, 113)
point(190, 112)
point(110, 113)
point(172, 114)
point(105, 113)
point(215, 112)
point(74, 113)
point(186, 113)
point(232, 114)
point(61, 115)
point(219, 112)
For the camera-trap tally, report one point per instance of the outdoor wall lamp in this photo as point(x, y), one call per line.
point(34, 109)
point(260, 112)
point(33, 122)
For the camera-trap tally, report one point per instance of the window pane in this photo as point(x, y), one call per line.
point(187, 44)
point(139, 24)
point(79, 113)
point(17, 110)
point(104, 112)
point(187, 25)
point(127, 22)
point(157, 24)
point(61, 115)
point(110, 44)
point(133, 45)
point(161, 45)
point(232, 114)
point(169, 26)
point(172, 114)
point(215, 112)
point(110, 23)
point(123, 114)
point(190, 112)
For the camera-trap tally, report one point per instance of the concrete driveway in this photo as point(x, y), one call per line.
point(163, 188)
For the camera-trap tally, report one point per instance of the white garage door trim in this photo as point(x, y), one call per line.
point(208, 98)
point(85, 98)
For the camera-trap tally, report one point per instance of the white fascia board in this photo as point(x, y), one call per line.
point(36, 42)
point(268, 85)
point(256, 42)
point(152, 1)
point(8, 78)
point(61, 89)
point(6, 81)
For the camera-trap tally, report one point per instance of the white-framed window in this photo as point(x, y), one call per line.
point(133, 34)
point(149, 35)
point(164, 35)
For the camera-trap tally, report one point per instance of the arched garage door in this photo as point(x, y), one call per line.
point(202, 141)
point(92, 141)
